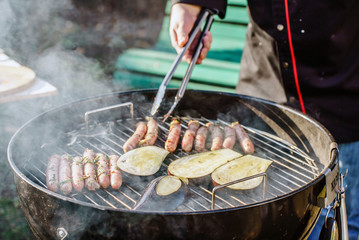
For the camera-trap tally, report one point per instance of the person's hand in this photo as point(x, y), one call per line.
point(183, 17)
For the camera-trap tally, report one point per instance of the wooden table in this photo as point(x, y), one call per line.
point(36, 88)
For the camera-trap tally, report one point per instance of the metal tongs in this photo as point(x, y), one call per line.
point(206, 14)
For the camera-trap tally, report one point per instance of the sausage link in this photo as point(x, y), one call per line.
point(152, 132)
point(201, 137)
point(77, 172)
point(217, 137)
point(173, 136)
point(65, 181)
point(243, 139)
point(189, 135)
point(229, 137)
point(133, 141)
point(90, 170)
point(52, 173)
point(115, 173)
point(103, 170)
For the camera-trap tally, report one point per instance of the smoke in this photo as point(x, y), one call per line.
point(73, 45)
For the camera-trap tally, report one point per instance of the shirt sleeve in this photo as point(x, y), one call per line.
point(219, 5)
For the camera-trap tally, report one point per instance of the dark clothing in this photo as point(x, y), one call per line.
point(325, 39)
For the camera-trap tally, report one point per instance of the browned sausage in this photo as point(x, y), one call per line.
point(103, 170)
point(152, 132)
point(90, 170)
point(229, 137)
point(201, 137)
point(173, 136)
point(65, 181)
point(115, 173)
point(217, 137)
point(243, 139)
point(77, 172)
point(133, 141)
point(52, 173)
point(189, 135)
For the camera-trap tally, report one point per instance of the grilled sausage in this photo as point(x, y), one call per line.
point(189, 135)
point(115, 173)
point(103, 170)
point(52, 173)
point(152, 132)
point(77, 172)
point(173, 136)
point(133, 141)
point(90, 170)
point(229, 137)
point(65, 182)
point(243, 139)
point(201, 137)
point(217, 137)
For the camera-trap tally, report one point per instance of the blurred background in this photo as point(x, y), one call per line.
point(73, 45)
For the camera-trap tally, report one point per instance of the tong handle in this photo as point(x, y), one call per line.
point(179, 57)
point(196, 54)
point(161, 90)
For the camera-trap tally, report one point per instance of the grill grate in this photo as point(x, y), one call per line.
point(291, 167)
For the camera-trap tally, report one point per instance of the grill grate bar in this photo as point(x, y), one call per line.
point(220, 198)
point(203, 198)
point(105, 200)
point(276, 140)
point(288, 155)
point(238, 200)
point(280, 183)
point(129, 187)
point(288, 180)
point(291, 166)
point(36, 178)
point(124, 194)
point(90, 199)
point(291, 169)
point(109, 147)
point(200, 204)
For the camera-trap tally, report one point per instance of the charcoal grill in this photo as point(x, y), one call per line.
point(285, 206)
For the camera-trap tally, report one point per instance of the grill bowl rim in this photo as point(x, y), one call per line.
point(93, 98)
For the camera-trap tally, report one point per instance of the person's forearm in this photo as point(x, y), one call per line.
point(219, 5)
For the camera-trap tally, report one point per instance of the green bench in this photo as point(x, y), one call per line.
point(146, 68)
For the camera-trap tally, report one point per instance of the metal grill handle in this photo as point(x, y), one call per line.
point(88, 113)
point(238, 181)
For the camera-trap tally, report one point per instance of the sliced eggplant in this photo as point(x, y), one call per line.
point(239, 168)
point(201, 164)
point(143, 161)
point(164, 193)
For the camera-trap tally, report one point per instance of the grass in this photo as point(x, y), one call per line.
point(12, 227)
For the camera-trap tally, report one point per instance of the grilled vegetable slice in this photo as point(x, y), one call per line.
point(164, 193)
point(143, 161)
point(242, 167)
point(201, 164)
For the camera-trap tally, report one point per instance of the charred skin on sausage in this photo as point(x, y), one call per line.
point(201, 137)
point(173, 136)
point(151, 134)
point(217, 137)
point(243, 139)
point(190, 134)
point(133, 141)
point(229, 137)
